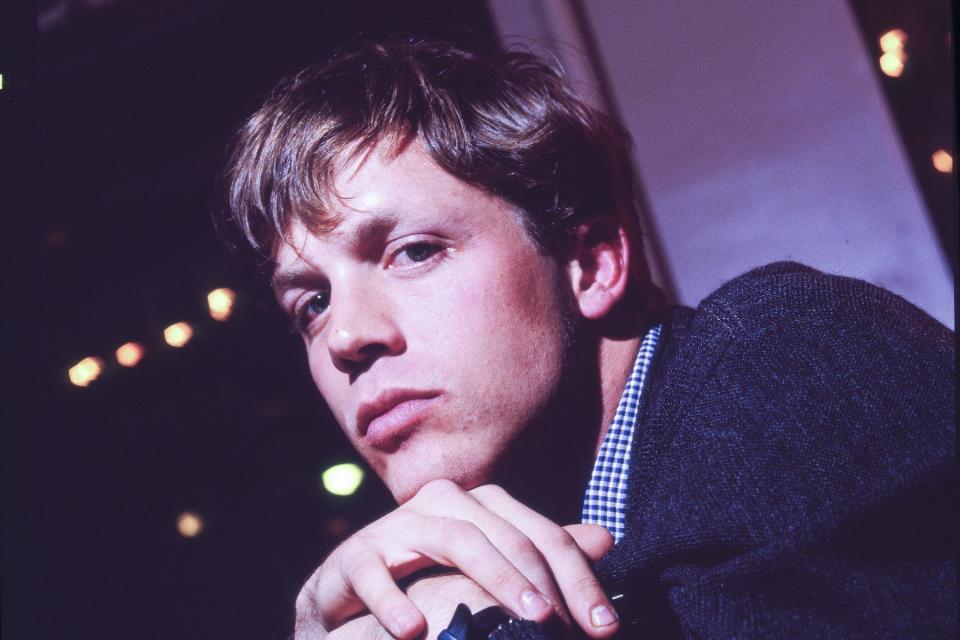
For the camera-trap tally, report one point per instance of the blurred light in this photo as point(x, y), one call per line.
point(942, 161)
point(893, 40)
point(337, 527)
point(892, 62)
point(85, 371)
point(178, 334)
point(130, 354)
point(220, 302)
point(1, 82)
point(342, 479)
point(189, 524)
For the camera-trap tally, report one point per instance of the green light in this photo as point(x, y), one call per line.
point(1, 82)
point(342, 479)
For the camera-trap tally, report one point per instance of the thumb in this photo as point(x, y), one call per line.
point(592, 539)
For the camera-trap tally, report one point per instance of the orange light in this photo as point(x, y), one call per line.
point(129, 354)
point(178, 334)
point(189, 524)
point(220, 302)
point(893, 62)
point(85, 371)
point(942, 161)
point(893, 40)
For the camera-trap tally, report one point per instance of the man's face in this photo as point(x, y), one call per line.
point(434, 328)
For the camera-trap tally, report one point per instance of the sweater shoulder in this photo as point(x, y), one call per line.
point(788, 298)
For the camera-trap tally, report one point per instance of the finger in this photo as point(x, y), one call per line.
point(370, 579)
point(448, 499)
point(585, 598)
point(593, 539)
point(461, 544)
point(333, 593)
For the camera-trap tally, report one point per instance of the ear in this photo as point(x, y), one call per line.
point(599, 266)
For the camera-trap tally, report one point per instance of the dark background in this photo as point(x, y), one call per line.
point(116, 117)
point(135, 103)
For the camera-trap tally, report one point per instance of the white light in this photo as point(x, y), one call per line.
point(893, 40)
point(85, 371)
point(220, 303)
point(893, 62)
point(342, 479)
point(129, 354)
point(189, 524)
point(942, 161)
point(177, 335)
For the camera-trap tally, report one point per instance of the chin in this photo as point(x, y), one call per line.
point(406, 484)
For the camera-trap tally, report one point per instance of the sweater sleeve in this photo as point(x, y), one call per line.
point(805, 479)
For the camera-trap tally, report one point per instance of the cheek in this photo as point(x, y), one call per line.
point(330, 382)
point(506, 328)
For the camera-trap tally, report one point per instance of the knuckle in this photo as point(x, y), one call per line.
point(458, 531)
point(523, 549)
point(560, 540)
point(489, 492)
point(357, 564)
point(439, 489)
point(586, 587)
point(507, 578)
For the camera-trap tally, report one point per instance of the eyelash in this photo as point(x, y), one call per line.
point(300, 315)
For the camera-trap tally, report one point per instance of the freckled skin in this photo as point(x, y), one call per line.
point(481, 321)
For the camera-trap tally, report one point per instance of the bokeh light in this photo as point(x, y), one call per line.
point(189, 524)
point(177, 335)
point(220, 302)
point(893, 62)
point(942, 161)
point(130, 354)
point(342, 479)
point(893, 40)
point(85, 371)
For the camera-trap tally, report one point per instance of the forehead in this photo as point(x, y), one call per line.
point(384, 187)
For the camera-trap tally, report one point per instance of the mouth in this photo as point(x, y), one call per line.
point(393, 414)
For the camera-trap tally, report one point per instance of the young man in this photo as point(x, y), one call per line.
point(455, 237)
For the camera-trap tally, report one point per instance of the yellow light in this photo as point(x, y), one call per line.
point(942, 161)
point(130, 354)
point(893, 40)
point(342, 479)
point(892, 62)
point(189, 524)
point(220, 302)
point(1, 82)
point(85, 371)
point(178, 334)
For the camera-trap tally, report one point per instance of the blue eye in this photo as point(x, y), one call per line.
point(420, 251)
point(315, 306)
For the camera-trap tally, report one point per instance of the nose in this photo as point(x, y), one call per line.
point(363, 329)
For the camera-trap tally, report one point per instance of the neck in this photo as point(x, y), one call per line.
point(616, 359)
point(550, 465)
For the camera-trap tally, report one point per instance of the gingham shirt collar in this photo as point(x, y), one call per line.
point(606, 497)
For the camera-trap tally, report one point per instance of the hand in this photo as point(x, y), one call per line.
point(436, 597)
point(531, 566)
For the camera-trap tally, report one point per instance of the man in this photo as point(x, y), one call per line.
point(454, 236)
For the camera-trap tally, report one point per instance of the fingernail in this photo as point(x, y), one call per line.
point(534, 605)
point(602, 616)
point(405, 622)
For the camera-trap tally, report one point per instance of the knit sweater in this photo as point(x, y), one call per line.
point(794, 470)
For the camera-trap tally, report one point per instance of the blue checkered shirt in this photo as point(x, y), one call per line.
point(606, 498)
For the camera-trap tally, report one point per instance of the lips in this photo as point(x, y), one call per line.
point(393, 414)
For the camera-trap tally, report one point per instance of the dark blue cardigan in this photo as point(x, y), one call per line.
point(794, 469)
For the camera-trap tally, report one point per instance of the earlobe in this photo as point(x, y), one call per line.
point(599, 267)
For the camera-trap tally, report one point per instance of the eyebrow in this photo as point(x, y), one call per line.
point(358, 240)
